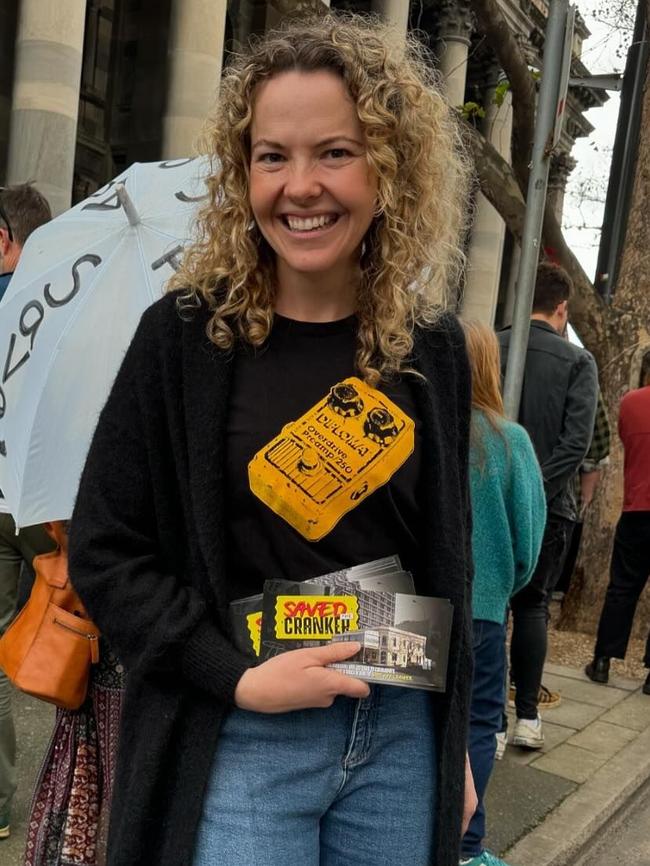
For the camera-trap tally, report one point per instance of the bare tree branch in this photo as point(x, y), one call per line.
point(502, 41)
point(499, 185)
point(588, 310)
point(587, 307)
point(497, 181)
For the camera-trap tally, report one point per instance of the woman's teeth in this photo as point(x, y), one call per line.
point(309, 224)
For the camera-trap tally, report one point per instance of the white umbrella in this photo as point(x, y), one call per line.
point(68, 316)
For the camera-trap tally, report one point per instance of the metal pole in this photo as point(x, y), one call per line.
point(535, 203)
point(626, 146)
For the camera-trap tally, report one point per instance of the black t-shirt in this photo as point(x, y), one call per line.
point(273, 386)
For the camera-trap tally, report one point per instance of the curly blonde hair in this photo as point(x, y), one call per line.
point(412, 251)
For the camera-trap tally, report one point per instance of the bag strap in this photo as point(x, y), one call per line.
point(54, 566)
point(57, 532)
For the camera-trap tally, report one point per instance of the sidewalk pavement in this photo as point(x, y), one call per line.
point(543, 806)
point(34, 722)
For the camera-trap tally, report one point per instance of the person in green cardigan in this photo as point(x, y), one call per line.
point(509, 515)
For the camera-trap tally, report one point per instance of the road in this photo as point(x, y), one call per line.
point(626, 840)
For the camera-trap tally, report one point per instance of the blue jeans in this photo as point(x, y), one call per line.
point(352, 785)
point(488, 699)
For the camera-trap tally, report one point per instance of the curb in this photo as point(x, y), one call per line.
point(575, 822)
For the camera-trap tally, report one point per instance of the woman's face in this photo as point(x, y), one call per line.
point(312, 191)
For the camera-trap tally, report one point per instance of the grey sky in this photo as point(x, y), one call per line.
point(594, 153)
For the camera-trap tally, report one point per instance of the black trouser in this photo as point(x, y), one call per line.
point(530, 618)
point(629, 571)
point(571, 557)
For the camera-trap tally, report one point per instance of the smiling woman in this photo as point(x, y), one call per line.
point(312, 191)
point(337, 119)
point(297, 404)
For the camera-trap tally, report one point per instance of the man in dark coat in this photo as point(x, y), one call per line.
point(558, 407)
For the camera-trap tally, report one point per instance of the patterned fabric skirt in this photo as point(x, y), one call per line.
point(69, 813)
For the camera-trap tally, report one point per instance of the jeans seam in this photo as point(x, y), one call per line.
point(347, 757)
point(369, 723)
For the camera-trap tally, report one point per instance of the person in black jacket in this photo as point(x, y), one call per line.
point(558, 407)
point(336, 204)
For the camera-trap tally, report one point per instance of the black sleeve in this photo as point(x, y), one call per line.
point(577, 426)
point(464, 427)
point(464, 404)
point(151, 619)
point(449, 820)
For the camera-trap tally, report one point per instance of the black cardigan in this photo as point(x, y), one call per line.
point(147, 557)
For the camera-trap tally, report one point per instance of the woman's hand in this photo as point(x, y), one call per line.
point(298, 680)
point(471, 800)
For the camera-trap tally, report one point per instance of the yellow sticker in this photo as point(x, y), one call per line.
point(332, 458)
point(254, 623)
point(315, 617)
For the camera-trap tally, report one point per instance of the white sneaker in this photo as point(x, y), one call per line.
point(502, 742)
point(528, 733)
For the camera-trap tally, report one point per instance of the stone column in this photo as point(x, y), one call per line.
point(562, 164)
point(396, 12)
point(45, 101)
point(8, 13)
point(454, 32)
point(488, 231)
point(196, 39)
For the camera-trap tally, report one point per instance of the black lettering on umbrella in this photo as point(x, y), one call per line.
point(181, 196)
point(9, 370)
point(27, 329)
point(176, 163)
point(105, 205)
point(76, 282)
point(171, 258)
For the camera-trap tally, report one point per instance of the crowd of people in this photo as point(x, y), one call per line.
point(338, 201)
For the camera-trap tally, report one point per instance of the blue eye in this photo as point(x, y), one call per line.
point(338, 152)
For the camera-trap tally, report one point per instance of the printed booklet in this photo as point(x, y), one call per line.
point(404, 638)
point(381, 574)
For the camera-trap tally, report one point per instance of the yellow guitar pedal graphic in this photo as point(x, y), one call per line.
point(328, 461)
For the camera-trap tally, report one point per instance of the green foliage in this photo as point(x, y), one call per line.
point(500, 92)
point(472, 111)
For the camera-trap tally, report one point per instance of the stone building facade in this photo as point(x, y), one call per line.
point(89, 86)
point(388, 646)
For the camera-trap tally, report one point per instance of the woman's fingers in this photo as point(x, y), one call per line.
point(337, 651)
point(298, 679)
point(341, 684)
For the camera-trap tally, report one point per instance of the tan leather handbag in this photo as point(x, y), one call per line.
point(49, 647)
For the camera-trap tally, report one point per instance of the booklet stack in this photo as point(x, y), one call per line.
point(403, 637)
